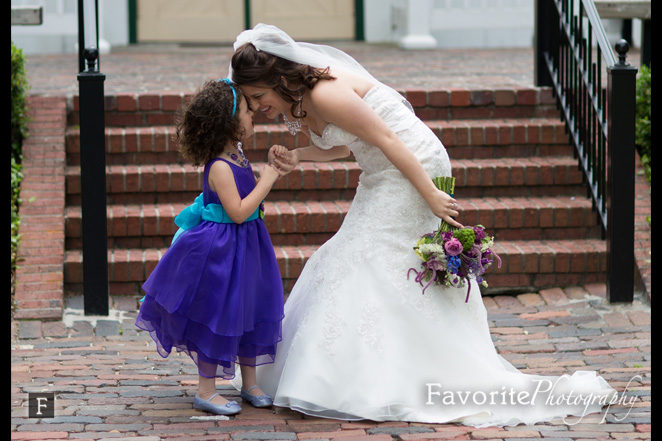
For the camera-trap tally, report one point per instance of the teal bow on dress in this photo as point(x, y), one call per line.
point(195, 213)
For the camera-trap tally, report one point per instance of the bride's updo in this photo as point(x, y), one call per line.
point(258, 68)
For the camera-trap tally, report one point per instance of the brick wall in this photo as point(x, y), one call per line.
point(39, 276)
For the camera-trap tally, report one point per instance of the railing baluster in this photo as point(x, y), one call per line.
point(603, 176)
point(594, 127)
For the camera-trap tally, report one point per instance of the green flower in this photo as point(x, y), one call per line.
point(466, 236)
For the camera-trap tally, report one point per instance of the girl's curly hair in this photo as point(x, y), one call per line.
point(205, 124)
point(250, 66)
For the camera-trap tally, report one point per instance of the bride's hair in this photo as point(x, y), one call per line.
point(253, 67)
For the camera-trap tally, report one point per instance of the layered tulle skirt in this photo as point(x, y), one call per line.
point(217, 295)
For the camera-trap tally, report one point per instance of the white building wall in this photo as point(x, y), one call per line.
point(482, 23)
point(452, 23)
point(468, 23)
point(59, 31)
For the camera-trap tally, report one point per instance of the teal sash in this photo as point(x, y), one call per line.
point(195, 213)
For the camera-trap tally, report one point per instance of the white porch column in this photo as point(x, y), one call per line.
point(418, 26)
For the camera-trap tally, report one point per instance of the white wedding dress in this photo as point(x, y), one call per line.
point(360, 340)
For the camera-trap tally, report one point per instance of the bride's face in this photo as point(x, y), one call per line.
point(265, 99)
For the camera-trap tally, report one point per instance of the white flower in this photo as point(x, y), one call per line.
point(430, 248)
point(486, 244)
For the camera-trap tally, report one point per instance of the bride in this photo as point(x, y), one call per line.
point(360, 341)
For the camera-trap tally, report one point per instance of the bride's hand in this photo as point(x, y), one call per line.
point(444, 206)
point(282, 158)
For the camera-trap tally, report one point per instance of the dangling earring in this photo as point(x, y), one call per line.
point(294, 126)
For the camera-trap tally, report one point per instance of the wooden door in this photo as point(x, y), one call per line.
point(200, 21)
point(219, 21)
point(308, 19)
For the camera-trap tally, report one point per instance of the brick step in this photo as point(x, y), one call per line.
point(160, 183)
point(158, 108)
point(140, 184)
point(526, 265)
point(479, 138)
point(314, 222)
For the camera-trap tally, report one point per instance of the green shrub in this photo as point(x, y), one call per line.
point(19, 124)
point(643, 118)
point(16, 177)
point(19, 93)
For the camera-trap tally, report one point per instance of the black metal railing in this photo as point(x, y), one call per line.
point(597, 102)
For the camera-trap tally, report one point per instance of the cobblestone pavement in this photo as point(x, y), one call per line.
point(110, 383)
point(148, 68)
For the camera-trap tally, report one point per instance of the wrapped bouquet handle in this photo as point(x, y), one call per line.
point(447, 185)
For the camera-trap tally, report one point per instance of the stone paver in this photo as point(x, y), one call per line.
point(165, 67)
point(111, 384)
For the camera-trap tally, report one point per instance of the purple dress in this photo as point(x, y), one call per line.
point(217, 293)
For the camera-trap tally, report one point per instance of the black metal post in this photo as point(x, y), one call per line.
point(93, 186)
point(542, 44)
point(247, 14)
point(81, 37)
point(81, 34)
point(621, 89)
point(646, 42)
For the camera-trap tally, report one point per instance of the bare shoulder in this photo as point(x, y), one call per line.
point(220, 167)
point(220, 173)
point(343, 84)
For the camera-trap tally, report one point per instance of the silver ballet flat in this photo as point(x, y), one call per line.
point(229, 408)
point(256, 400)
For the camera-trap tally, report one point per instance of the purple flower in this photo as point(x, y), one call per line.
point(480, 234)
point(453, 247)
point(474, 252)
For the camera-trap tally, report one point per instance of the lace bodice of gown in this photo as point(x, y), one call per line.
point(397, 115)
point(387, 215)
point(386, 204)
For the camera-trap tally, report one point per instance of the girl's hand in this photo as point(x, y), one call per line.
point(283, 159)
point(270, 174)
point(444, 206)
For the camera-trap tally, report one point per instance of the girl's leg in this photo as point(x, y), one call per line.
point(207, 383)
point(251, 392)
point(248, 380)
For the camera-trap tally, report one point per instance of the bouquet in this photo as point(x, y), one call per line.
point(452, 255)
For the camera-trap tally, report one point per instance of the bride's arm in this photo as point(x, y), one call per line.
point(313, 153)
point(341, 106)
point(286, 160)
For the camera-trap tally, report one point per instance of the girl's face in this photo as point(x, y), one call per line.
point(265, 99)
point(245, 115)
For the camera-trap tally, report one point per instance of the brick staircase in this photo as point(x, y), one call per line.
point(514, 167)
